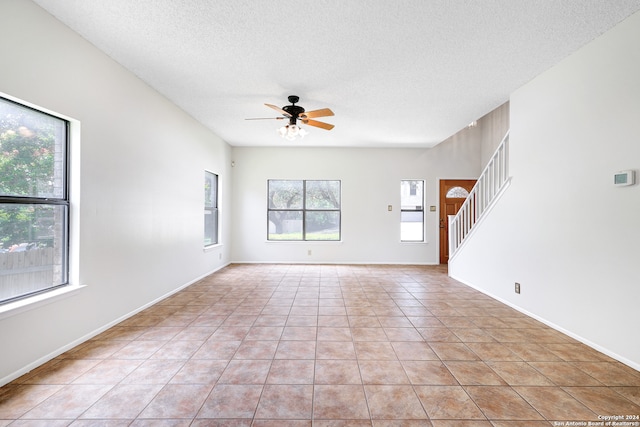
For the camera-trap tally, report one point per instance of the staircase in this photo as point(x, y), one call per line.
point(492, 182)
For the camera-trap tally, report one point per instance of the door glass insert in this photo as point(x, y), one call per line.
point(457, 193)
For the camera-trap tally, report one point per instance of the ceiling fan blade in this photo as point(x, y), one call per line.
point(267, 118)
point(317, 124)
point(278, 109)
point(323, 112)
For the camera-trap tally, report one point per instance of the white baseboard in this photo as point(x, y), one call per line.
point(552, 325)
point(337, 263)
point(42, 360)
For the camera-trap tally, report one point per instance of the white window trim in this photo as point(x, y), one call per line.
point(303, 210)
point(47, 297)
point(424, 215)
point(40, 300)
point(208, 248)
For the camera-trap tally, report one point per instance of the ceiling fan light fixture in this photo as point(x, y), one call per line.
point(291, 132)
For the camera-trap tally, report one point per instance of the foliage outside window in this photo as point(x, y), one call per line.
point(210, 208)
point(34, 201)
point(412, 211)
point(303, 210)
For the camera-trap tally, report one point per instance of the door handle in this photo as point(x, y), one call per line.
point(441, 223)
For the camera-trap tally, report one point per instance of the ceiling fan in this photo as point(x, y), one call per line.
point(294, 113)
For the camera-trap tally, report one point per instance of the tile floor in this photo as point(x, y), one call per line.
point(301, 345)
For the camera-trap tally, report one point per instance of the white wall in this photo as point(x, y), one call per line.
point(140, 165)
point(370, 182)
point(562, 229)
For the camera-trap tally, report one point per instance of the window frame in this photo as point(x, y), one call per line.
point(212, 210)
point(420, 209)
point(64, 200)
point(304, 210)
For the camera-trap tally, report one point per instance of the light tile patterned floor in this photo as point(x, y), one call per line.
point(301, 345)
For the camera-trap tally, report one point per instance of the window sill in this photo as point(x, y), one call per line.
point(212, 247)
point(30, 303)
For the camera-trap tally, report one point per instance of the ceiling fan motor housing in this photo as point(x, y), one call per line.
point(294, 110)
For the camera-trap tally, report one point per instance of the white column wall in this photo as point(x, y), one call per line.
point(137, 196)
point(562, 229)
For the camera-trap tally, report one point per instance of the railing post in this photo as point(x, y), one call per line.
point(453, 234)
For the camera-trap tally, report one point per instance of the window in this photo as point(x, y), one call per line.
point(303, 210)
point(34, 201)
point(210, 208)
point(412, 211)
point(457, 193)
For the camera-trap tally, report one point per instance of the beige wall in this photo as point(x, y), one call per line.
point(493, 128)
point(370, 182)
point(487, 132)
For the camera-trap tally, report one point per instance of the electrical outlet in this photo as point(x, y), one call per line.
point(517, 288)
point(309, 252)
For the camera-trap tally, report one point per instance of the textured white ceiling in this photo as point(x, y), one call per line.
point(399, 73)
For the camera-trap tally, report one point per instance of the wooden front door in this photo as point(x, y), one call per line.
point(450, 206)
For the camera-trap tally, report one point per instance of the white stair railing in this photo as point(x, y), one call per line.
point(492, 181)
